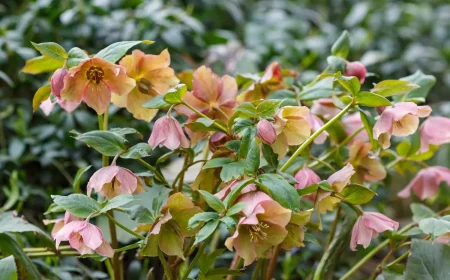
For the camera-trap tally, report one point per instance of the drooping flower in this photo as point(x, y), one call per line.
point(60, 223)
point(325, 108)
point(426, 183)
point(261, 228)
point(168, 132)
point(341, 178)
point(401, 120)
point(434, 131)
point(153, 76)
point(292, 127)
point(47, 106)
point(94, 81)
point(171, 228)
point(316, 123)
point(357, 69)
point(57, 81)
point(367, 226)
point(114, 180)
point(85, 238)
point(367, 167)
point(306, 177)
point(222, 194)
point(353, 122)
point(266, 132)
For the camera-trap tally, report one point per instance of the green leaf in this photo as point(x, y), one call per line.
point(232, 171)
point(253, 158)
point(246, 141)
point(26, 268)
point(156, 102)
point(428, 261)
point(206, 261)
point(213, 201)
point(8, 269)
point(425, 83)
point(308, 190)
point(337, 64)
point(117, 202)
point(393, 87)
point(236, 208)
point(324, 185)
point(233, 145)
point(137, 151)
point(270, 156)
point(77, 179)
point(322, 89)
point(42, 94)
point(175, 95)
point(350, 84)
point(10, 223)
point(288, 97)
point(357, 194)
point(141, 214)
point(114, 52)
point(79, 205)
point(268, 108)
point(51, 50)
point(204, 124)
point(231, 197)
point(368, 125)
point(403, 148)
point(13, 193)
point(105, 142)
point(369, 99)
point(202, 218)
point(280, 190)
point(435, 227)
point(75, 57)
point(247, 108)
point(206, 231)
point(341, 47)
point(217, 162)
point(420, 212)
point(41, 64)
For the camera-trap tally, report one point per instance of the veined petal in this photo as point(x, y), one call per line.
point(96, 96)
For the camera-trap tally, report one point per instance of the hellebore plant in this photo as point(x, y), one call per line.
point(265, 145)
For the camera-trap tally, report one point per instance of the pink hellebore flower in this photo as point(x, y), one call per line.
point(434, 131)
point(60, 223)
point(168, 132)
point(113, 180)
point(222, 194)
point(341, 178)
point(306, 177)
point(426, 183)
point(401, 120)
point(266, 132)
point(368, 167)
point(356, 69)
point(57, 81)
point(85, 238)
point(324, 107)
point(316, 123)
point(353, 122)
point(47, 106)
point(261, 228)
point(367, 226)
point(94, 81)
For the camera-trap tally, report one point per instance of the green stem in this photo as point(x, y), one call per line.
point(258, 268)
point(399, 259)
point(314, 136)
point(158, 175)
point(45, 249)
point(194, 261)
point(51, 254)
point(216, 125)
point(110, 269)
point(333, 227)
point(129, 247)
point(167, 272)
point(111, 218)
point(180, 184)
point(273, 263)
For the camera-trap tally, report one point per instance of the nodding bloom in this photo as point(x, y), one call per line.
point(353, 122)
point(266, 132)
point(367, 167)
point(341, 178)
point(306, 177)
point(316, 123)
point(432, 132)
point(426, 183)
point(60, 223)
point(85, 238)
point(57, 81)
point(367, 226)
point(292, 127)
point(47, 106)
point(168, 132)
point(357, 69)
point(400, 120)
point(171, 228)
point(94, 81)
point(325, 108)
point(153, 76)
point(261, 228)
point(222, 194)
point(113, 180)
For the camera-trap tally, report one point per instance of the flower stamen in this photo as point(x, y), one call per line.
point(257, 233)
point(95, 74)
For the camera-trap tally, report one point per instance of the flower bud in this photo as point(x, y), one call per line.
point(168, 132)
point(266, 132)
point(356, 69)
point(57, 81)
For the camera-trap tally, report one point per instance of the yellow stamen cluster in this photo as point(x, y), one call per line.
point(257, 233)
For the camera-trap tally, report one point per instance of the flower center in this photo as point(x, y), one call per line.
point(95, 74)
point(398, 124)
point(146, 87)
point(257, 233)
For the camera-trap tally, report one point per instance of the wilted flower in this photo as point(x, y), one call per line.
point(57, 81)
point(60, 223)
point(367, 226)
point(325, 108)
point(401, 120)
point(426, 183)
point(47, 106)
point(357, 69)
point(292, 127)
point(306, 177)
point(341, 178)
point(266, 132)
point(171, 228)
point(262, 227)
point(93, 81)
point(85, 238)
point(113, 180)
point(434, 131)
point(168, 132)
point(353, 122)
point(153, 76)
point(367, 167)
point(316, 123)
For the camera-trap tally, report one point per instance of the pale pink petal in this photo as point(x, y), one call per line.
point(101, 177)
point(360, 235)
point(357, 69)
point(431, 132)
point(306, 177)
point(252, 199)
point(96, 96)
point(378, 222)
point(341, 178)
point(228, 92)
point(92, 236)
point(316, 123)
point(76, 242)
point(105, 249)
point(47, 106)
point(64, 233)
point(128, 181)
point(206, 85)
